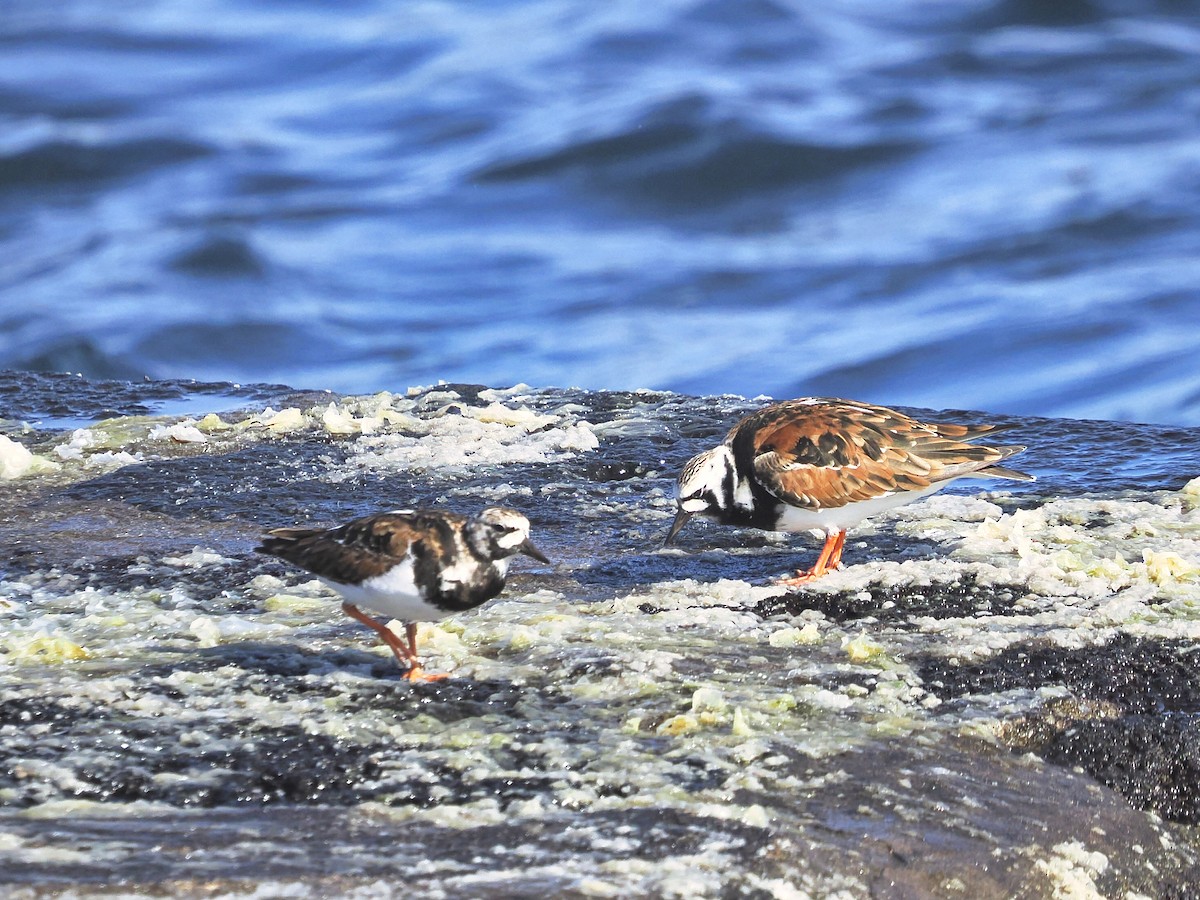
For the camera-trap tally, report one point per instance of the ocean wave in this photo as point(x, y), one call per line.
point(87, 163)
point(691, 162)
point(928, 203)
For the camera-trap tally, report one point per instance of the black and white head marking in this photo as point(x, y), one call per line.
point(498, 533)
point(707, 486)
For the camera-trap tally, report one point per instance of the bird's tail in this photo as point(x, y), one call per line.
point(279, 540)
point(995, 471)
point(1004, 472)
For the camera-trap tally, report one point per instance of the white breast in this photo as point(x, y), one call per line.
point(841, 518)
point(393, 594)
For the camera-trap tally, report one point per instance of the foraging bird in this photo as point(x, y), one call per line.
point(415, 566)
point(822, 464)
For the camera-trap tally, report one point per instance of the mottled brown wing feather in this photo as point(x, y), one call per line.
point(829, 453)
point(359, 549)
point(949, 430)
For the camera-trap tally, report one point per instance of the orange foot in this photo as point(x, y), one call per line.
point(416, 673)
point(805, 576)
point(830, 559)
point(405, 652)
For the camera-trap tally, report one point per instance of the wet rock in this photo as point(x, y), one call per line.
point(1136, 730)
point(964, 597)
point(994, 697)
point(1154, 761)
point(1137, 675)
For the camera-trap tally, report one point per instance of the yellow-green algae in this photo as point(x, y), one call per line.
point(703, 683)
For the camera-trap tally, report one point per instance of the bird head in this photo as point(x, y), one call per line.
point(499, 532)
point(705, 487)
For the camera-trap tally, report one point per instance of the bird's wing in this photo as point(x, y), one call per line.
point(825, 454)
point(358, 550)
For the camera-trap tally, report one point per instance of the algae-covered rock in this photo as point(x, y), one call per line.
point(628, 721)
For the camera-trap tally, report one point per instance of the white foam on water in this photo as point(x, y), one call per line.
point(669, 678)
point(460, 436)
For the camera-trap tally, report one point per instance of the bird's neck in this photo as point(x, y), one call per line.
point(745, 504)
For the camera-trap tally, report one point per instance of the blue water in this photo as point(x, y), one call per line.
point(978, 204)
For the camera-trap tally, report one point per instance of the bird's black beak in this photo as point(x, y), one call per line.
point(681, 519)
point(529, 550)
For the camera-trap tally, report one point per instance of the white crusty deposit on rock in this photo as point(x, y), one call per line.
point(625, 679)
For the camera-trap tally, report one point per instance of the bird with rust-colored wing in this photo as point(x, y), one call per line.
point(821, 464)
point(411, 565)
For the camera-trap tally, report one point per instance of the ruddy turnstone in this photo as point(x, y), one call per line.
point(415, 566)
point(821, 464)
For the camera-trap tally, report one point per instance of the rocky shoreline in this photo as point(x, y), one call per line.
point(995, 698)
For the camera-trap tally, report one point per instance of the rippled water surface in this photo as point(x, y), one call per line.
point(981, 204)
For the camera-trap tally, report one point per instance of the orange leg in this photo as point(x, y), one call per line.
point(830, 558)
point(835, 558)
point(406, 653)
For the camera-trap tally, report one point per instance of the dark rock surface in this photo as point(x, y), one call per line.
point(996, 697)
